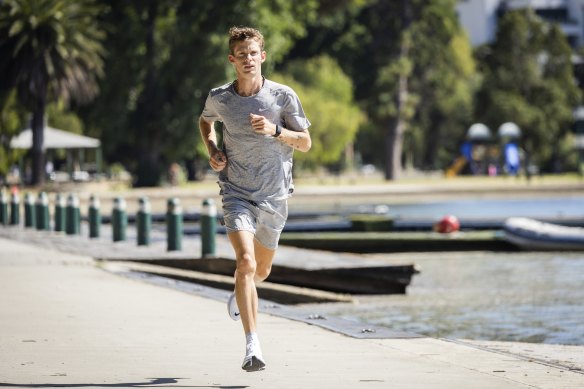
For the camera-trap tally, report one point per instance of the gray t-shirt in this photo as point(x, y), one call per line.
point(259, 167)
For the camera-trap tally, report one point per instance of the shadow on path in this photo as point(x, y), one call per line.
point(160, 382)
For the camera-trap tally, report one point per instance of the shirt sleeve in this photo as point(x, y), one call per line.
point(294, 117)
point(210, 112)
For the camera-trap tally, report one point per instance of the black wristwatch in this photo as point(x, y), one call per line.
point(278, 131)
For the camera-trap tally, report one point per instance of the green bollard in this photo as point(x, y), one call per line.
point(3, 208)
point(73, 224)
point(29, 214)
point(174, 225)
point(94, 217)
point(15, 208)
point(208, 228)
point(60, 212)
point(144, 222)
point(119, 220)
point(42, 212)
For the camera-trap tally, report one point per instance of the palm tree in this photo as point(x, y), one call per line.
point(49, 50)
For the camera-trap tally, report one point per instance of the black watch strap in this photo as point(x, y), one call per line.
point(278, 131)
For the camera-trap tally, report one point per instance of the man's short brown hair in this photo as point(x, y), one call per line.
point(239, 34)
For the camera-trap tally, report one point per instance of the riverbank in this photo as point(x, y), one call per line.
point(69, 323)
point(332, 193)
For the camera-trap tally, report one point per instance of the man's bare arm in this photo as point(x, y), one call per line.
point(217, 158)
point(298, 140)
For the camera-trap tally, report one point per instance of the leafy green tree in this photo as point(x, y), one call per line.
point(413, 73)
point(49, 50)
point(529, 80)
point(59, 116)
point(12, 119)
point(565, 94)
point(165, 55)
point(443, 82)
point(327, 98)
point(384, 60)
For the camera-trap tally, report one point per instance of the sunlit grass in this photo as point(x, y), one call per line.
point(438, 179)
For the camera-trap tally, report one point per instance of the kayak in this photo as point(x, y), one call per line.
point(530, 234)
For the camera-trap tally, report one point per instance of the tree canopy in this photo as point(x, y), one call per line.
point(397, 81)
point(12, 116)
point(326, 94)
point(49, 50)
point(413, 71)
point(444, 81)
point(162, 63)
point(529, 80)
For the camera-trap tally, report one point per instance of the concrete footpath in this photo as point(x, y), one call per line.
point(65, 322)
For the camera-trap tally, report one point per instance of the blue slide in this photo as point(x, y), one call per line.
point(512, 160)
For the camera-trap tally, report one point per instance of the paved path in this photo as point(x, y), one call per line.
point(66, 323)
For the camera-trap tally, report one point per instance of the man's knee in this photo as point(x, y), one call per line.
point(262, 272)
point(246, 265)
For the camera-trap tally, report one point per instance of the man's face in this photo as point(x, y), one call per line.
point(247, 58)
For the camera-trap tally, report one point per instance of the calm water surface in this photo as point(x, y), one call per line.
point(558, 207)
point(527, 297)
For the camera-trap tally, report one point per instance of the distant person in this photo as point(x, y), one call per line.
point(49, 168)
point(15, 175)
point(263, 123)
point(174, 171)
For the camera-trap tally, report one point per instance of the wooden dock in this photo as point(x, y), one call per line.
point(389, 242)
point(355, 279)
point(314, 269)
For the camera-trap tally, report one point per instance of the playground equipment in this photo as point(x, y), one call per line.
point(485, 155)
point(509, 134)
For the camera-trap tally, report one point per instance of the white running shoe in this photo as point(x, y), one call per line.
point(253, 361)
point(232, 308)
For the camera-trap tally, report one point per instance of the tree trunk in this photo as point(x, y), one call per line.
point(394, 146)
point(149, 168)
point(433, 143)
point(37, 127)
point(395, 132)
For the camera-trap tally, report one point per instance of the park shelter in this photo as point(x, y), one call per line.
point(74, 145)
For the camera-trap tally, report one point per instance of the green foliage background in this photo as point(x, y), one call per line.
point(12, 120)
point(529, 80)
point(344, 58)
point(327, 99)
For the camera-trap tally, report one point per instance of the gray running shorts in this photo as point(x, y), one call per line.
point(264, 219)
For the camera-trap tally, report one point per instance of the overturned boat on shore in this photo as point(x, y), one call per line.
point(530, 234)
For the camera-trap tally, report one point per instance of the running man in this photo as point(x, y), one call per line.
point(263, 123)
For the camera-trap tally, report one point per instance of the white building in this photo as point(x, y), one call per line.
point(479, 17)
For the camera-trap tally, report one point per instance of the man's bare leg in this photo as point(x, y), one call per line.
point(250, 258)
point(264, 257)
point(245, 291)
point(254, 263)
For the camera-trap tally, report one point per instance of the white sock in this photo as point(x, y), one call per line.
point(253, 344)
point(251, 337)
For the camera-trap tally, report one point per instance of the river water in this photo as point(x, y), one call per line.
point(555, 208)
point(528, 297)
